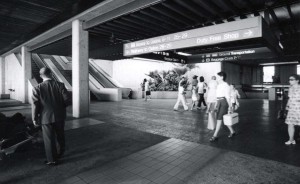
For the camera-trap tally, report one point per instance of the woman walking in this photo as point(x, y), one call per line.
point(293, 107)
point(223, 104)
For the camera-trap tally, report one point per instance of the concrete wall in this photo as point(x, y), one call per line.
point(106, 65)
point(13, 77)
point(131, 72)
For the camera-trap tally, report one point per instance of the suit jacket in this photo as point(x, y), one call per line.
point(50, 99)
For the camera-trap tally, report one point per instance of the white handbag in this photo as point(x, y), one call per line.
point(231, 119)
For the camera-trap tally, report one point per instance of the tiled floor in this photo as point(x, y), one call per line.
point(169, 162)
point(187, 156)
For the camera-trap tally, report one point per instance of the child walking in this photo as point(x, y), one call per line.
point(195, 97)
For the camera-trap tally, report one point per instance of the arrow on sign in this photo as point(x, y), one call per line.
point(248, 33)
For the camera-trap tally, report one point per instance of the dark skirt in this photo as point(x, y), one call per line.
point(148, 93)
point(222, 108)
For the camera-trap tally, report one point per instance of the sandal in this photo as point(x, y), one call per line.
point(213, 139)
point(231, 135)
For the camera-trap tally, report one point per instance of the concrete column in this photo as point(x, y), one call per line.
point(2, 75)
point(80, 70)
point(26, 69)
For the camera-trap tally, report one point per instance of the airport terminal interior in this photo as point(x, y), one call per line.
point(116, 133)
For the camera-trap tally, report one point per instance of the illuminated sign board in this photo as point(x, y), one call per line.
point(166, 56)
point(235, 55)
point(226, 32)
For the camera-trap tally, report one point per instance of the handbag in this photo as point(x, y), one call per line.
point(231, 119)
point(282, 114)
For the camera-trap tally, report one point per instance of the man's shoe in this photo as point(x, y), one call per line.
point(51, 163)
point(290, 142)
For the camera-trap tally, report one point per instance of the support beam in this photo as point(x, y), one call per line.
point(26, 72)
point(123, 10)
point(80, 70)
point(2, 75)
point(51, 40)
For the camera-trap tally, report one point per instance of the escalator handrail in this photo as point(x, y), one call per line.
point(99, 72)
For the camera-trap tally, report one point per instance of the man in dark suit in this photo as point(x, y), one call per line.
point(49, 102)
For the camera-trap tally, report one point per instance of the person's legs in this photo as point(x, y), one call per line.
point(193, 104)
point(183, 101)
point(49, 142)
point(202, 100)
point(218, 127)
point(146, 95)
point(60, 134)
point(177, 103)
point(291, 130)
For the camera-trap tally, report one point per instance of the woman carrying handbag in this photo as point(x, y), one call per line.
point(293, 107)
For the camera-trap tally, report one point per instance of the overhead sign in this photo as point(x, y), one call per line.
point(226, 32)
point(166, 56)
point(235, 55)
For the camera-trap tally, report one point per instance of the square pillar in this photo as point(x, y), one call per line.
point(2, 75)
point(26, 72)
point(80, 70)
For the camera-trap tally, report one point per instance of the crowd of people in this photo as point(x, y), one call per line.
point(222, 99)
point(50, 99)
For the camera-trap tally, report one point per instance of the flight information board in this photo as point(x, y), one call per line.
point(226, 32)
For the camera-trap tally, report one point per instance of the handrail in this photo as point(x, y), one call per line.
point(96, 70)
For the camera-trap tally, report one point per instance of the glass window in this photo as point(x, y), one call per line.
point(298, 69)
point(269, 72)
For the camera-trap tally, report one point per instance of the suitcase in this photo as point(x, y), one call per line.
point(231, 119)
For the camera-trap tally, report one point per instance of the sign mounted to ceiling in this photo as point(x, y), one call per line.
point(226, 32)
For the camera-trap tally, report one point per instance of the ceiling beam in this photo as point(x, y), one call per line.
point(51, 40)
point(126, 29)
point(276, 21)
point(169, 14)
point(212, 7)
point(139, 22)
point(116, 30)
point(292, 17)
point(110, 32)
point(133, 26)
point(195, 8)
point(89, 14)
point(133, 6)
point(181, 12)
point(160, 19)
point(232, 7)
point(152, 22)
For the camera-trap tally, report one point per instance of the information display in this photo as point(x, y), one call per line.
point(235, 55)
point(226, 32)
point(166, 56)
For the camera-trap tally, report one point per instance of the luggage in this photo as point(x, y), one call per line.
point(231, 119)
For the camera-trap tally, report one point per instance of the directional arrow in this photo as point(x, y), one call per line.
point(248, 33)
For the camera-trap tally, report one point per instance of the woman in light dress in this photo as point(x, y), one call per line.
point(293, 107)
point(211, 103)
point(234, 95)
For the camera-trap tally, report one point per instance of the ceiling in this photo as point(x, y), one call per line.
point(21, 20)
point(168, 16)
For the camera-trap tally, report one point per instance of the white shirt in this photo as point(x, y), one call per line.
point(211, 94)
point(201, 86)
point(147, 86)
point(223, 90)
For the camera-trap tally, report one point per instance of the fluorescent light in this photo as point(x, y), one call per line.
point(184, 54)
point(279, 63)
